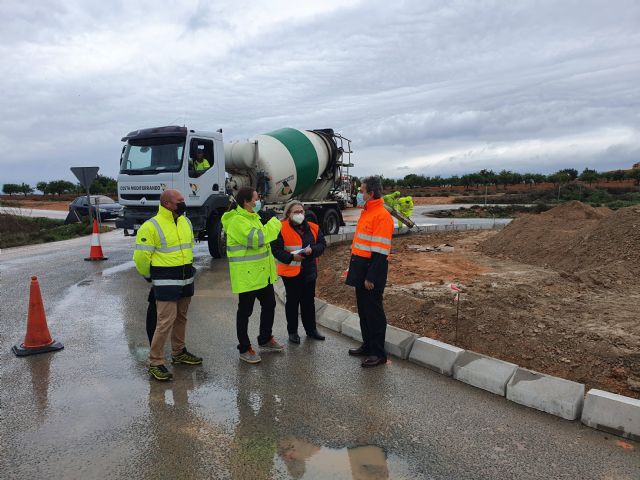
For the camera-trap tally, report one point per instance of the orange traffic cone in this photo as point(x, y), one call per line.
point(38, 339)
point(96, 248)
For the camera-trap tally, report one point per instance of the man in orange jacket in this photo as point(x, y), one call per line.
point(368, 271)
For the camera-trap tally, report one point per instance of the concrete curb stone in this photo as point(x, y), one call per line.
point(320, 306)
point(612, 413)
point(553, 395)
point(332, 317)
point(435, 355)
point(483, 372)
point(351, 327)
point(399, 342)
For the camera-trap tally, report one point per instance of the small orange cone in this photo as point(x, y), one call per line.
point(38, 339)
point(96, 249)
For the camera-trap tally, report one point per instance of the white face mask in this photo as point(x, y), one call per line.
point(297, 218)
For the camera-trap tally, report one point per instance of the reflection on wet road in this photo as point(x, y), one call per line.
point(303, 458)
point(90, 410)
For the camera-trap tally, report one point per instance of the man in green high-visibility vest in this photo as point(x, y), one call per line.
point(200, 164)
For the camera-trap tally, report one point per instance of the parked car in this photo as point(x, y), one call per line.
point(105, 206)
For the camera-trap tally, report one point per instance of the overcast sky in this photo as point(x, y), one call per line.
point(420, 86)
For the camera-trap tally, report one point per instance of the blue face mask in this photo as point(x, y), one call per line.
point(359, 199)
point(258, 206)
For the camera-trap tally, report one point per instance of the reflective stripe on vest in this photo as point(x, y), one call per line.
point(149, 248)
point(361, 237)
point(292, 243)
point(365, 244)
point(248, 258)
point(172, 282)
point(260, 236)
point(163, 240)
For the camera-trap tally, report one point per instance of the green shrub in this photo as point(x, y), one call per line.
point(16, 230)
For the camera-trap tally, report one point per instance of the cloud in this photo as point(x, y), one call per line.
point(431, 86)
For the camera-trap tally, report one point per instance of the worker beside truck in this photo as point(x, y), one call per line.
point(164, 257)
point(252, 270)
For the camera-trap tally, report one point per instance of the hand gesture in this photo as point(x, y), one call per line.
point(308, 251)
point(297, 257)
point(368, 285)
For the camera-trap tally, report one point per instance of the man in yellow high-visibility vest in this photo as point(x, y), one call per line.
point(164, 257)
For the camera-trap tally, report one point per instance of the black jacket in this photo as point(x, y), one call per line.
point(373, 269)
point(309, 268)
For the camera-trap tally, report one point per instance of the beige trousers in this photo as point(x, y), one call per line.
point(172, 316)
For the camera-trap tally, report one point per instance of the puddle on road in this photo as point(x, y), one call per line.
point(306, 460)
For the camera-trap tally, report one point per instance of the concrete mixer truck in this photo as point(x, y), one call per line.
point(308, 165)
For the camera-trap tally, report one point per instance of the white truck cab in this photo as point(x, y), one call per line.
point(156, 159)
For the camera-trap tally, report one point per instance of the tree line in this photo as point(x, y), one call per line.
point(102, 185)
point(508, 177)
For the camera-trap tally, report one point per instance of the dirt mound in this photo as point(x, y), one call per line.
point(608, 253)
point(596, 246)
point(543, 239)
point(574, 210)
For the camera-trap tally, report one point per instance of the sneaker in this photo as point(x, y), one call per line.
point(250, 356)
point(272, 346)
point(186, 357)
point(160, 372)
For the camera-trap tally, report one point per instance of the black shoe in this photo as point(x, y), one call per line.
point(373, 361)
point(315, 334)
point(358, 352)
point(294, 338)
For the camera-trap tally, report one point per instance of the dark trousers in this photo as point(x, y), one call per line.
point(373, 321)
point(300, 297)
point(267, 300)
point(152, 315)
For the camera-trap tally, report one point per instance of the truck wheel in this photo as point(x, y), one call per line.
point(216, 239)
point(330, 222)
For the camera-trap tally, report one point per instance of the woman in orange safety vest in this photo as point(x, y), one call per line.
point(296, 251)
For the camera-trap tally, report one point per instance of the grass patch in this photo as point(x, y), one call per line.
point(596, 197)
point(16, 230)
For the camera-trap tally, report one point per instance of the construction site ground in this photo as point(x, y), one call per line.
point(557, 292)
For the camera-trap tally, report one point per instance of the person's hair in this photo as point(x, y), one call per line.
point(245, 194)
point(290, 205)
point(374, 186)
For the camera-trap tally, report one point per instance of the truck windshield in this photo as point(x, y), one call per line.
point(152, 155)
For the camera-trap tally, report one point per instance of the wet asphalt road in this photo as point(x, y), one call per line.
point(90, 410)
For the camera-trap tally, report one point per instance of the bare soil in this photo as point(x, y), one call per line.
point(557, 293)
point(17, 202)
